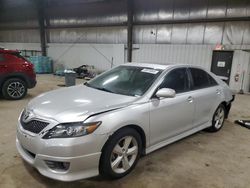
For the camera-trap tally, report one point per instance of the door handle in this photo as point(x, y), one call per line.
point(190, 99)
point(218, 92)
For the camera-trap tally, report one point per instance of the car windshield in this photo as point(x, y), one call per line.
point(126, 80)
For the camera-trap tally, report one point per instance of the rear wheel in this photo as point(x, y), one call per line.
point(14, 89)
point(218, 119)
point(120, 153)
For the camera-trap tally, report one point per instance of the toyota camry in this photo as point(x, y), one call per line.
point(104, 125)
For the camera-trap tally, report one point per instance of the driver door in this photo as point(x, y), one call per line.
point(172, 116)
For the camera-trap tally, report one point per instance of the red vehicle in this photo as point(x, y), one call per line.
point(16, 75)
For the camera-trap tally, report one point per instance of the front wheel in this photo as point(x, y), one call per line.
point(120, 153)
point(218, 119)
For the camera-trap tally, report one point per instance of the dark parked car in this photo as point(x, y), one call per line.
point(16, 74)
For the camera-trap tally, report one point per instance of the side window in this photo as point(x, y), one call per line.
point(212, 81)
point(201, 79)
point(177, 79)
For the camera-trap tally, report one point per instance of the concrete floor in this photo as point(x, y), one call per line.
point(202, 160)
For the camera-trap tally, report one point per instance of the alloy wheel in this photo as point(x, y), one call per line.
point(219, 118)
point(124, 154)
point(16, 89)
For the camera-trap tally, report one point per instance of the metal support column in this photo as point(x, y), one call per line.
point(41, 19)
point(130, 30)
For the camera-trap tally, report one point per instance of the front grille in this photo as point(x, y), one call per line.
point(34, 126)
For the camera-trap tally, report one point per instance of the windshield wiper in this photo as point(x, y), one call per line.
point(99, 88)
point(86, 84)
point(104, 89)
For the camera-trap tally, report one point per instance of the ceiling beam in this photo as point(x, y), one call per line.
point(213, 20)
point(184, 21)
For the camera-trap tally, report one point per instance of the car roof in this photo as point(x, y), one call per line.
point(148, 65)
point(8, 51)
point(160, 66)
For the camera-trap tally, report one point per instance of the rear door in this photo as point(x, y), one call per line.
point(206, 93)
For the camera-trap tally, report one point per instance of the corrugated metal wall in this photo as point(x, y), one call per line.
point(235, 33)
point(240, 65)
point(108, 35)
point(194, 33)
point(21, 46)
point(68, 13)
point(191, 54)
point(165, 54)
point(18, 13)
point(77, 13)
point(64, 55)
point(21, 36)
point(102, 56)
point(162, 10)
point(176, 31)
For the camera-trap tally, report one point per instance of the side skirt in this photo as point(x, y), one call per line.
point(176, 138)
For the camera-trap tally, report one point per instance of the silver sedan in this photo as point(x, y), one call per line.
point(105, 125)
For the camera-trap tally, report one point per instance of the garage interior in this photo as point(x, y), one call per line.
point(107, 33)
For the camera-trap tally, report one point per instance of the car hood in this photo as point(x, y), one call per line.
point(76, 103)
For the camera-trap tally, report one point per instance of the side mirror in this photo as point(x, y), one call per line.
point(165, 93)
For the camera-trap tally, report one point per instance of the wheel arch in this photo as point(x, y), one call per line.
point(138, 129)
point(104, 168)
point(13, 76)
point(227, 107)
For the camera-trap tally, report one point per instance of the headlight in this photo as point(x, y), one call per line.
point(69, 130)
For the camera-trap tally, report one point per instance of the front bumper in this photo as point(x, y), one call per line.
point(82, 153)
point(31, 83)
point(228, 106)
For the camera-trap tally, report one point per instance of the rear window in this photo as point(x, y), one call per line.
point(212, 81)
point(201, 79)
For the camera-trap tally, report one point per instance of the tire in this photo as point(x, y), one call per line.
point(125, 163)
point(14, 89)
point(218, 119)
